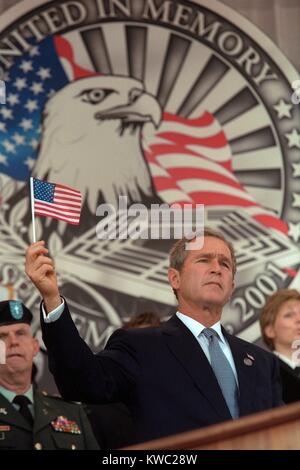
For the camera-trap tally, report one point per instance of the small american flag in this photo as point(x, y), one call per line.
point(57, 201)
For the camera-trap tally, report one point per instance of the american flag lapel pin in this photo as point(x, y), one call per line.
point(248, 361)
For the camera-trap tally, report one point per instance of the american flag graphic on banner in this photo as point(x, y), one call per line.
point(191, 162)
point(29, 84)
point(56, 201)
point(190, 159)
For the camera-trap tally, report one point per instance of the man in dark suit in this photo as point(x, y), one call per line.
point(112, 423)
point(30, 419)
point(186, 374)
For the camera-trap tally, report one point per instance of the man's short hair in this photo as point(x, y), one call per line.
point(178, 252)
point(270, 311)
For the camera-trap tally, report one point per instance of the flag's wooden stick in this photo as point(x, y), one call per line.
point(32, 209)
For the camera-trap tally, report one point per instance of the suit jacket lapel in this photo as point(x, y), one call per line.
point(9, 414)
point(188, 352)
point(246, 372)
point(44, 412)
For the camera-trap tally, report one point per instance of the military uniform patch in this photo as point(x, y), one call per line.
point(4, 428)
point(16, 309)
point(63, 424)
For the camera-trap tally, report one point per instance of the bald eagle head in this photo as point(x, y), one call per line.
point(91, 138)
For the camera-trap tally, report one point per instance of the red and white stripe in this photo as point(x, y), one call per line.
point(190, 159)
point(66, 205)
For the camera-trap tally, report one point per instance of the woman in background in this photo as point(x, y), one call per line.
point(280, 327)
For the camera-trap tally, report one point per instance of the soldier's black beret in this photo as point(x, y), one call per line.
point(14, 311)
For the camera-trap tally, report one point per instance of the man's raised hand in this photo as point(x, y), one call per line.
point(40, 269)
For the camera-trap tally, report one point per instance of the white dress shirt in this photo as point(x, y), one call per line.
point(54, 314)
point(285, 359)
point(196, 329)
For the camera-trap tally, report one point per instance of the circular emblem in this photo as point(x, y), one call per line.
point(162, 101)
point(16, 309)
point(248, 362)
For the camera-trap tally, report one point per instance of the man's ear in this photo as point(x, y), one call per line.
point(36, 346)
point(174, 278)
point(233, 287)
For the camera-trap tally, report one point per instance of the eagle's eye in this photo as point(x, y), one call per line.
point(94, 95)
point(134, 94)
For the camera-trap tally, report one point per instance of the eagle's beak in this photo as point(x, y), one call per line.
point(141, 108)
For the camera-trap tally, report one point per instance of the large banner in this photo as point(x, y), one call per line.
point(162, 102)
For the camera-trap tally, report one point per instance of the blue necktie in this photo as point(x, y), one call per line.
point(223, 372)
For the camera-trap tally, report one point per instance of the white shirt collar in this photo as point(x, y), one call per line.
point(285, 359)
point(196, 327)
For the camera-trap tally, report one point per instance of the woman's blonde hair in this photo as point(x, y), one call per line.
point(270, 311)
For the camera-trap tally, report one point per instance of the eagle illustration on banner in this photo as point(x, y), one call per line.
point(94, 136)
